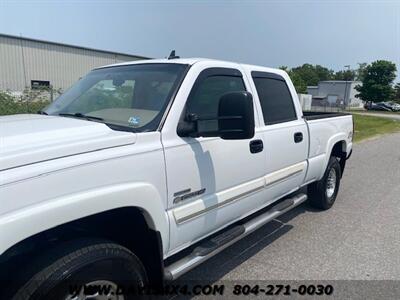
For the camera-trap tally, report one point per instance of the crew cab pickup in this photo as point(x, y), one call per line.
point(143, 170)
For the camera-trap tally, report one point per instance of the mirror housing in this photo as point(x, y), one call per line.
point(236, 116)
point(235, 120)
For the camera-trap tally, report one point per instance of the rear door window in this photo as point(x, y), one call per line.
point(275, 98)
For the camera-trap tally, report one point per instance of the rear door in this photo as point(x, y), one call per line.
point(211, 182)
point(285, 134)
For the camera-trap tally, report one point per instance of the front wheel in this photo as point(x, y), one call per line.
point(322, 194)
point(85, 270)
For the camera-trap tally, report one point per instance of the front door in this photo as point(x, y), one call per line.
point(211, 182)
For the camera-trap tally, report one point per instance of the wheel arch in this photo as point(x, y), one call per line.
point(137, 206)
point(338, 149)
point(126, 226)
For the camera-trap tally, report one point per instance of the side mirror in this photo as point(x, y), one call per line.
point(235, 120)
point(236, 116)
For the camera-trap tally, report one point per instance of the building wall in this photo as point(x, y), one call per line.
point(312, 90)
point(23, 60)
point(339, 89)
point(354, 101)
point(305, 101)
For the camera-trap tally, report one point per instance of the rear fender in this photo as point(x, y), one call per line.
point(338, 138)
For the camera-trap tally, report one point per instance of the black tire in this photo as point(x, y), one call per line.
point(77, 263)
point(318, 195)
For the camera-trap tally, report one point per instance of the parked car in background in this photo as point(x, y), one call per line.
point(393, 106)
point(376, 106)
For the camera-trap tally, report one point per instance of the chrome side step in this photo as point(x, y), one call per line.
point(196, 257)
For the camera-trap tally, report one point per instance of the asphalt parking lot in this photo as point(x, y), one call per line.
point(358, 239)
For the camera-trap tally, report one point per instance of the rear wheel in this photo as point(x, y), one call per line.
point(322, 194)
point(85, 270)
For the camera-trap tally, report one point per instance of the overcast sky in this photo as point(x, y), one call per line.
point(270, 33)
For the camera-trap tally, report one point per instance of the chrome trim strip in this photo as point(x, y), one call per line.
point(198, 207)
point(285, 173)
point(207, 209)
point(283, 178)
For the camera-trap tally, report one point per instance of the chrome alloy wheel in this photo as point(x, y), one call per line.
point(331, 183)
point(108, 291)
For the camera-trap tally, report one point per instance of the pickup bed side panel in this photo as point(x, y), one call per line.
point(71, 188)
point(324, 134)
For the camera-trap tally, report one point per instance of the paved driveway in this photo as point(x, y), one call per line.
point(358, 239)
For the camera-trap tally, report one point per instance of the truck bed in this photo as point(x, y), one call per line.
point(315, 115)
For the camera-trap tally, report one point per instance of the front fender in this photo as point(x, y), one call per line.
point(28, 221)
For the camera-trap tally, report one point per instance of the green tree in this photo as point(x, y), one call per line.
point(284, 68)
point(397, 92)
point(298, 82)
point(307, 73)
point(323, 73)
point(377, 82)
point(311, 75)
point(347, 75)
point(361, 71)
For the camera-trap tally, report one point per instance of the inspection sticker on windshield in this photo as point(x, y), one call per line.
point(134, 121)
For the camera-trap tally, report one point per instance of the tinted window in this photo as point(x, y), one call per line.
point(276, 101)
point(203, 100)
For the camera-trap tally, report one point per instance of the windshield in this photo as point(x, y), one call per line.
point(130, 97)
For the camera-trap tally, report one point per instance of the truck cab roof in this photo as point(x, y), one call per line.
point(192, 61)
point(186, 61)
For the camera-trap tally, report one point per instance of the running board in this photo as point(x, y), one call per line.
point(216, 244)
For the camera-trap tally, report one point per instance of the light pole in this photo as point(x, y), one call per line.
point(345, 87)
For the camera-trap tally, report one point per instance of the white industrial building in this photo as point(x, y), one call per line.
point(335, 93)
point(26, 63)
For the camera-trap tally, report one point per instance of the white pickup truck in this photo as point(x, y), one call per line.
point(143, 170)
